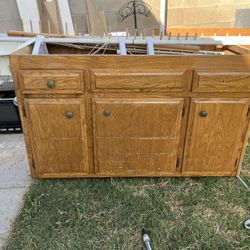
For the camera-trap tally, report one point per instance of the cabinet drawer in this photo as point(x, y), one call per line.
point(52, 81)
point(221, 81)
point(149, 80)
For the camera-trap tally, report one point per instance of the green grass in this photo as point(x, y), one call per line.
point(180, 213)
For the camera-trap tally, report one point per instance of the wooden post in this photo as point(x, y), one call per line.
point(49, 27)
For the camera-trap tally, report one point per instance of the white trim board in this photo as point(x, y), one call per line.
point(29, 14)
point(66, 19)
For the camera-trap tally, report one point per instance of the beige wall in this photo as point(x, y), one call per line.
point(9, 16)
point(108, 9)
point(209, 13)
point(181, 13)
point(185, 13)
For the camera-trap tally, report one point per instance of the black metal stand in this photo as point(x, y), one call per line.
point(134, 8)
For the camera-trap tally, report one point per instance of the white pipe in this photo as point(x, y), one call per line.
point(243, 183)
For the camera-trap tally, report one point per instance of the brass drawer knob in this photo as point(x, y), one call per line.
point(69, 114)
point(106, 112)
point(51, 84)
point(203, 113)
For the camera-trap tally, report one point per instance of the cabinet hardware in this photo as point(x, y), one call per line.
point(33, 164)
point(69, 114)
point(248, 111)
point(183, 111)
point(203, 113)
point(236, 162)
point(177, 163)
point(106, 112)
point(24, 111)
point(51, 84)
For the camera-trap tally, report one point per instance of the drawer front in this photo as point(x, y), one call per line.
point(221, 81)
point(150, 80)
point(52, 81)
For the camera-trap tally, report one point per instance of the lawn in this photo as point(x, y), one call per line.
point(180, 213)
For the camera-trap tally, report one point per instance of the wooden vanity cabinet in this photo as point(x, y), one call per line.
point(103, 116)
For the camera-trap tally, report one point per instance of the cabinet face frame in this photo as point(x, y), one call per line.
point(77, 137)
point(195, 132)
point(136, 132)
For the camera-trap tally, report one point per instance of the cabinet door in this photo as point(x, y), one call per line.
point(136, 136)
point(214, 137)
point(58, 132)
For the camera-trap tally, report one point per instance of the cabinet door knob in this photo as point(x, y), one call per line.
point(203, 113)
point(69, 114)
point(106, 112)
point(51, 84)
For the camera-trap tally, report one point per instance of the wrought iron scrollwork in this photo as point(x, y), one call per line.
point(134, 8)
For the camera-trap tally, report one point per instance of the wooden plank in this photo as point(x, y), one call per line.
point(207, 31)
point(238, 49)
point(97, 19)
point(53, 16)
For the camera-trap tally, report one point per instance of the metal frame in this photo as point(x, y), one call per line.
point(165, 40)
point(40, 41)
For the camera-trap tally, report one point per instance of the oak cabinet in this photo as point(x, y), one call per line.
point(58, 133)
point(104, 116)
point(136, 135)
point(214, 139)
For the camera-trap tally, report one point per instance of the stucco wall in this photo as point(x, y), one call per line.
point(9, 16)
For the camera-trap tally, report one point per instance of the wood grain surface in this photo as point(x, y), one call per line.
point(205, 81)
point(139, 135)
point(59, 142)
point(212, 141)
point(64, 80)
point(170, 80)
